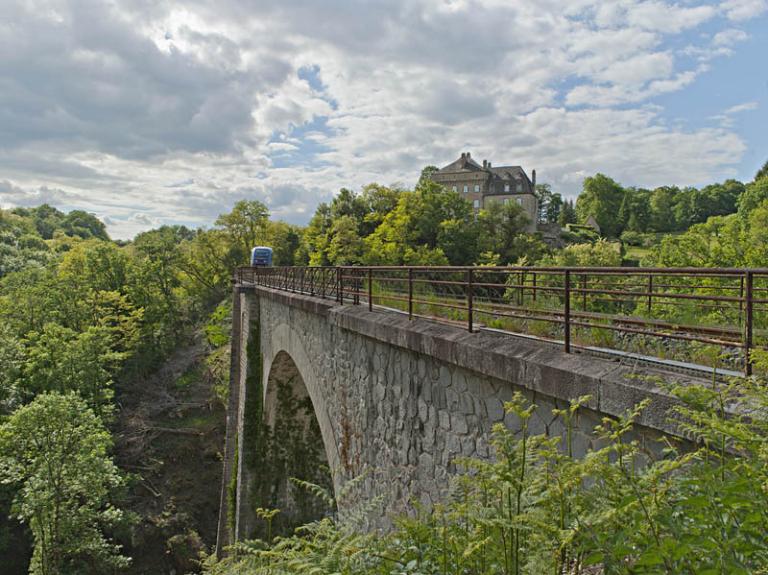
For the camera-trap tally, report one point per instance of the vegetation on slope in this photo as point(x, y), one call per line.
point(87, 324)
point(626, 507)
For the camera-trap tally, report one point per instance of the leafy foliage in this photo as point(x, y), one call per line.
point(55, 451)
point(665, 209)
point(536, 508)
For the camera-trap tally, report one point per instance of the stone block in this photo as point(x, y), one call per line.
point(459, 423)
point(495, 409)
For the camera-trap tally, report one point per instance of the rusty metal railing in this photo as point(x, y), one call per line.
point(711, 316)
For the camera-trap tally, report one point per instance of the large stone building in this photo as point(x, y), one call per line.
point(484, 184)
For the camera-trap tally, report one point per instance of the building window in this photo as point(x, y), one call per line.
point(466, 189)
point(506, 188)
point(519, 201)
point(455, 189)
point(506, 201)
point(476, 204)
point(477, 189)
point(519, 187)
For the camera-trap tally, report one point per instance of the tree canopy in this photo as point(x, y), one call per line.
point(55, 451)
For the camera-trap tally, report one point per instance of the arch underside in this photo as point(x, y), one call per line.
point(302, 439)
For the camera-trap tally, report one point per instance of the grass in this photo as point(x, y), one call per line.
point(600, 335)
point(637, 252)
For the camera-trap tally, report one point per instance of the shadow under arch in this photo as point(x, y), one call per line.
point(299, 441)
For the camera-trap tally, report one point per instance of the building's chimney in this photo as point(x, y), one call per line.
point(485, 163)
point(489, 164)
point(463, 155)
point(468, 155)
point(533, 178)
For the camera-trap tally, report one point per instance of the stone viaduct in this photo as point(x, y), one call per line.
point(396, 400)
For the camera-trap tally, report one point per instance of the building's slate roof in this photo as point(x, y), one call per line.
point(463, 163)
point(509, 172)
point(497, 177)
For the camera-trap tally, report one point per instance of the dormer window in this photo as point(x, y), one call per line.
point(519, 187)
point(506, 188)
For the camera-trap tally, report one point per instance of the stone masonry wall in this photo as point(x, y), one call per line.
point(397, 401)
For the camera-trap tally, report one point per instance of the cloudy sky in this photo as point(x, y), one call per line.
point(154, 111)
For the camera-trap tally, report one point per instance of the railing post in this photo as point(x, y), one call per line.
point(322, 283)
point(410, 293)
point(370, 289)
point(741, 298)
point(312, 276)
point(339, 287)
point(534, 286)
point(583, 292)
point(567, 311)
point(650, 293)
point(470, 278)
point(301, 284)
point(749, 279)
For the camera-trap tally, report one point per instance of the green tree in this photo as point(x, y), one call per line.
point(55, 452)
point(567, 214)
point(345, 246)
point(315, 240)
point(246, 226)
point(754, 194)
point(499, 227)
point(63, 360)
point(95, 265)
point(284, 239)
point(634, 213)
point(602, 253)
point(721, 199)
point(458, 241)
point(601, 199)
point(47, 220)
point(762, 172)
point(662, 202)
point(550, 203)
point(82, 224)
point(207, 262)
point(378, 201)
point(413, 230)
point(427, 172)
point(11, 361)
point(718, 242)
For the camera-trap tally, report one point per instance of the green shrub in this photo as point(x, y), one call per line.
point(536, 508)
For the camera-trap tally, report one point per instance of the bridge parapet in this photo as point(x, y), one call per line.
point(709, 316)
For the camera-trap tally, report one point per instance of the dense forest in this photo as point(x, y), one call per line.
point(88, 324)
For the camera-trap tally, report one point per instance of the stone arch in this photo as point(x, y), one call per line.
point(286, 361)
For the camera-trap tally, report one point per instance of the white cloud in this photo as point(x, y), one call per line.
point(729, 37)
point(152, 112)
point(744, 9)
point(665, 17)
point(745, 107)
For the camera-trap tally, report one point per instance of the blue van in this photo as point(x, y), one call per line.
point(261, 256)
